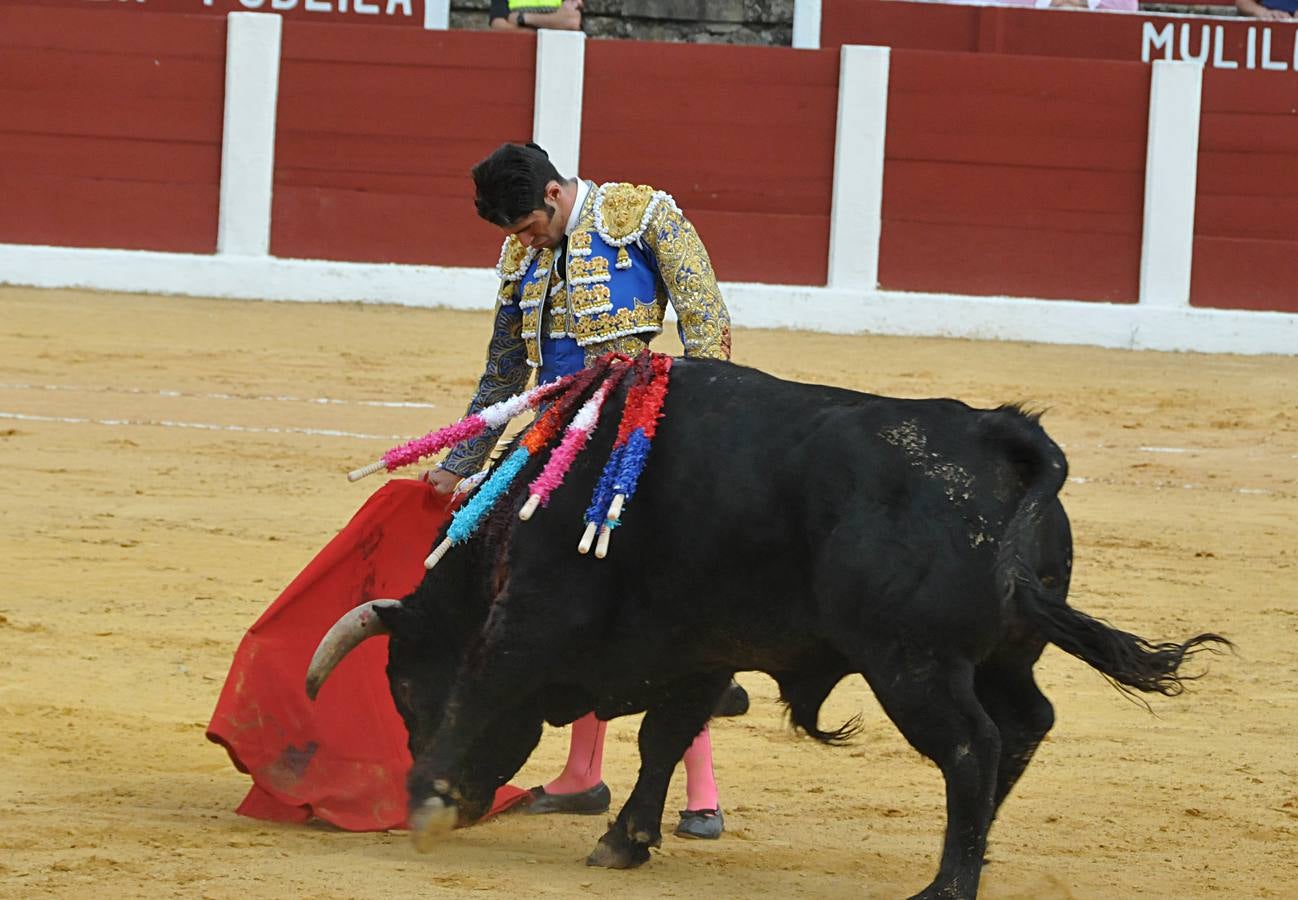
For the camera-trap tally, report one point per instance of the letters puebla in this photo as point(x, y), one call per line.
point(631, 253)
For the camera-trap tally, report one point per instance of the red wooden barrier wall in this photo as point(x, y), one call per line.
point(378, 129)
point(110, 134)
point(1216, 42)
point(1246, 221)
point(742, 137)
point(370, 12)
point(1005, 174)
point(1011, 175)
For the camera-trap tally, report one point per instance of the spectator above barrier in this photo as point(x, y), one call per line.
point(760, 22)
point(527, 15)
point(1271, 10)
point(1120, 5)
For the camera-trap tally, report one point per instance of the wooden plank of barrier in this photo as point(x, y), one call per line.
point(31, 68)
point(1246, 217)
point(1246, 221)
point(995, 163)
point(377, 136)
point(102, 111)
point(93, 27)
point(410, 13)
point(1216, 42)
point(79, 211)
point(742, 137)
point(112, 129)
point(766, 247)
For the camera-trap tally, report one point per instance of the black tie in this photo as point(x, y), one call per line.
point(561, 259)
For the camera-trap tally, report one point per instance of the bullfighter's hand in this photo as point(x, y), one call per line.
point(442, 480)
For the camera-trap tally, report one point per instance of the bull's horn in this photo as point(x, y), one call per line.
point(355, 626)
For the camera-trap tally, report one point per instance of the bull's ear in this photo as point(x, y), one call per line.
point(398, 618)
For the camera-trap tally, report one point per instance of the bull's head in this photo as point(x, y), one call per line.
point(424, 654)
point(420, 665)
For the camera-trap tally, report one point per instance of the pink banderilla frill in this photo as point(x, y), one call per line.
point(467, 518)
point(495, 416)
point(574, 440)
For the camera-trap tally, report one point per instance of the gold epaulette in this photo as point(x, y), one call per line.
point(623, 211)
point(514, 259)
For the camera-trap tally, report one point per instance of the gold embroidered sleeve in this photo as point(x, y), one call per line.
point(506, 374)
point(686, 271)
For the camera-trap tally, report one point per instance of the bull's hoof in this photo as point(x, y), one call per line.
point(433, 818)
point(947, 890)
point(614, 853)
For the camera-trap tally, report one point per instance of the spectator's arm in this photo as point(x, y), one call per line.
point(567, 18)
point(1258, 11)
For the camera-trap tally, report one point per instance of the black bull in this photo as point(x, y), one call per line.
point(804, 531)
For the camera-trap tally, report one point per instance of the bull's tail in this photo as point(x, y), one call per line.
point(1128, 660)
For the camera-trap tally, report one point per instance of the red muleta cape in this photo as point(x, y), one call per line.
point(342, 758)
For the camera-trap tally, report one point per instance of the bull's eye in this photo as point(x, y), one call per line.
point(403, 688)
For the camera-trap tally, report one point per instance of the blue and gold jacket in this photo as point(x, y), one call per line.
point(631, 253)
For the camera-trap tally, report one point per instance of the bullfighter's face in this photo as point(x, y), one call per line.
point(543, 228)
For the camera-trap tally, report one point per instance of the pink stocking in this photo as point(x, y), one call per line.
point(585, 764)
point(700, 782)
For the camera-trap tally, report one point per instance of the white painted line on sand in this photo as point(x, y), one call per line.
point(204, 426)
point(1188, 486)
point(100, 389)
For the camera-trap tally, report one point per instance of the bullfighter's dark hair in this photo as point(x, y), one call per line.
point(510, 183)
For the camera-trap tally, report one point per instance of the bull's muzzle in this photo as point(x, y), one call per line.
point(430, 820)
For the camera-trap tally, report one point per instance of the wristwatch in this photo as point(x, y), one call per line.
point(522, 23)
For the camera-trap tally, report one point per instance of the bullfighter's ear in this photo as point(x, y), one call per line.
point(397, 618)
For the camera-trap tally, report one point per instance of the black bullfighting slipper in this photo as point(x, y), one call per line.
point(733, 702)
point(701, 823)
point(592, 802)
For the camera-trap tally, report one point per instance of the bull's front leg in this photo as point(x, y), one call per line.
point(666, 733)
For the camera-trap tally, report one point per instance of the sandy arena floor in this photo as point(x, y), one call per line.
point(170, 466)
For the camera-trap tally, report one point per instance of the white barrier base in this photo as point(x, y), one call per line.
point(1127, 326)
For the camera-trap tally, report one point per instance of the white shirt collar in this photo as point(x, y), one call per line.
point(583, 188)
